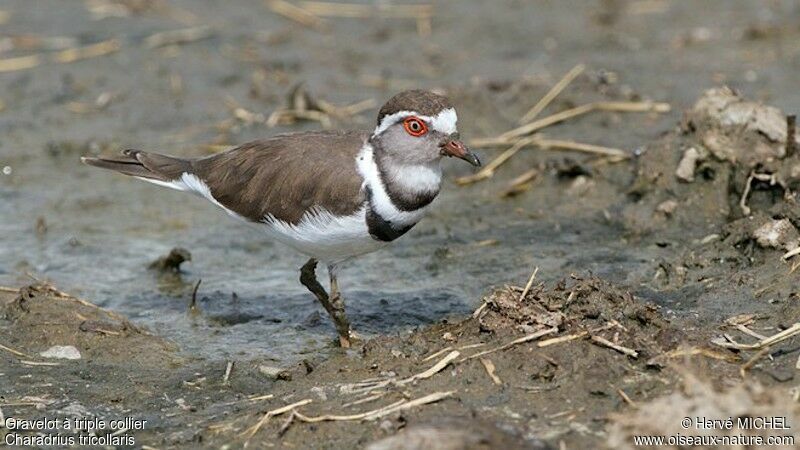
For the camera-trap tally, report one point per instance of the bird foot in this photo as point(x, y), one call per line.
point(347, 341)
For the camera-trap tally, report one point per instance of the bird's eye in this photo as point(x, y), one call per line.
point(415, 126)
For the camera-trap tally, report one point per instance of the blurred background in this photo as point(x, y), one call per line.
point(192, 77)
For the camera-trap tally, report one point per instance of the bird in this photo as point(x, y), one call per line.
point(330, 195)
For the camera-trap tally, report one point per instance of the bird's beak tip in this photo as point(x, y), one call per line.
point(457, 149)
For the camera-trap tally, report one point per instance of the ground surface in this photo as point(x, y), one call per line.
point(696, 261)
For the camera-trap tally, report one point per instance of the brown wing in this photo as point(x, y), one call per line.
point(287, 175)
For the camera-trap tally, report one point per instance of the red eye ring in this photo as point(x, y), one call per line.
point(415, 126)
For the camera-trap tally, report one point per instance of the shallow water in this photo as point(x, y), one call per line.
point(104, 229)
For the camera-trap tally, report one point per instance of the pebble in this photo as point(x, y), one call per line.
point(61, 352)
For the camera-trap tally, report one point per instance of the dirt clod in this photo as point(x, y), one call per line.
point(172, 261)
point(778, 234)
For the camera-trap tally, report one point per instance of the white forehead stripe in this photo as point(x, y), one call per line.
point(444, 122)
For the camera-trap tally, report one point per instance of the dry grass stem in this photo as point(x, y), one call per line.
point(39, 363)
point(228, 370)
point(177, 37)
point(9, 289)
point(359, 416)
point(477, 313)
point(250, 432)
point(520, 184)
point(552, 94)
point(14, 352)
point(749, 332)
point(366, 399)
point(743, 200)
point(522, 340)
point(400, 405)
point(528, 285)
point(529, 128)
point(546, 144)
point(626, 399)
point(581, 147)
point(624, 350)
point(300, 15)
point(490, 370)
point(561, 339)
point(767, 342)
point(19, 63)
point(90, 51)
point(791, 253)
point(752, 361)
point(372, 384)
point(468, 346)
point(488, 170)
point(433, 370)
point(547, 121)
point(707, 352)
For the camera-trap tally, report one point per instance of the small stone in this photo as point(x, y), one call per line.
point(61, 352)
point(275, 373)
point(687, 165)
point(172, 261)
point(667, 207)
point(779, 234)
point(580, 186)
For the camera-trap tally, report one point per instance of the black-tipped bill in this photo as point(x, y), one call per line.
point(456, 148)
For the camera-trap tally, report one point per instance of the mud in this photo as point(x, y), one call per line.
point(643, 264)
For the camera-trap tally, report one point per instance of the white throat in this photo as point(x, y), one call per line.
point(415, 178)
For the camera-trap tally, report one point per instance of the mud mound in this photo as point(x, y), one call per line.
point(42, 316)
point(663, 416)
point(729, 158)
point(580, 307)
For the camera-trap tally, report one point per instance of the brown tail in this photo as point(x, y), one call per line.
point(137, 163)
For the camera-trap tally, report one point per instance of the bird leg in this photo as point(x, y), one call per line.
point(339, 316)
point(332, 303)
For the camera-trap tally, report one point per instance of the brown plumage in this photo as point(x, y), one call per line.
point(283, 176)
point(286, 175)
point(422, 102)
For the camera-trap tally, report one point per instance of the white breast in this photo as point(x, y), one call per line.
point(326, 237)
